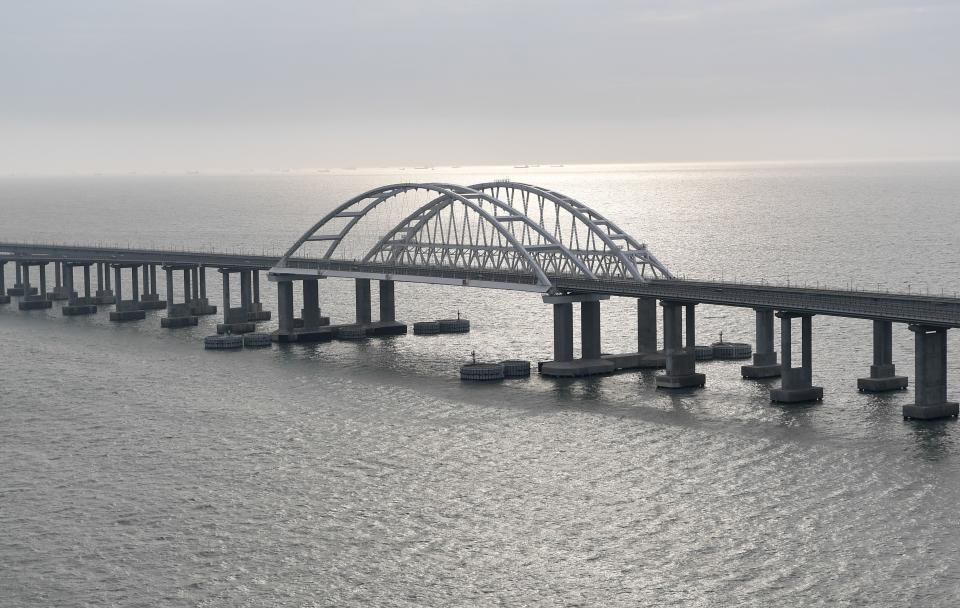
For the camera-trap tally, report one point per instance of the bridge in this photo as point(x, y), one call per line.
point(499, 235)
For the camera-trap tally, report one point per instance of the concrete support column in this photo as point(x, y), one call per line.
point(135, 288)
point(86, 282)
point(311, 303)
point(796, 383)
point(786, 342)
point(691, 328)
point(43, 281)
point(106, 280)
point(3, 277)
point(363, 300)
point(226, 295)
point(187, 289)
point(153, 279)
point(99, 276)
point(388, 305)
point(256, 287)
point(646, 325)
point(146, 280)
point(806, 345)
point(672, 327)
point(67, 282)
point(26, 277)
point(169, 273)
point(245, 290)
point(285, 305)
point(57, 276)
point(119, 284)
point(930, 378)
point(203, 282)
point(590, 330)
point(764, 357)
point(883, 372)
point(681, 360)
point(19, 273)
point(563, 331)
point(195, 274)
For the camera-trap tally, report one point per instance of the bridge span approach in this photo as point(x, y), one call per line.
point(502, 235)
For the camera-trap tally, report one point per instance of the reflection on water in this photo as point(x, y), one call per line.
point(139, 469)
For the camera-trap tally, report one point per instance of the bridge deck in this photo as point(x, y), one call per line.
point(901, 308)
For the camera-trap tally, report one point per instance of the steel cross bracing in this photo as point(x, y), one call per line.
point(498, 227)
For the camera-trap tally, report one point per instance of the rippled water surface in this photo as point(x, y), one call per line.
point(137, 469)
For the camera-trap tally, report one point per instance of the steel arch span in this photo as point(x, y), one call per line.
point(496, 234)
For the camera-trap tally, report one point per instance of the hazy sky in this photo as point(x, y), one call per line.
point(122, 85)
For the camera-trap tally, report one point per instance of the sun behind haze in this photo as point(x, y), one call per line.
point(216, 85)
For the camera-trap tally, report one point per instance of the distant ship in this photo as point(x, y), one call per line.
point(521, 166)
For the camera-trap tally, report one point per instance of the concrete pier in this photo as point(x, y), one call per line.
point(127, 310)
point(200, 305)
point(681, 360)
point(4, 298)
point(563, 363)
point(78, 305)
point(764, 357)
point(287, 330)
point(235, 320)
point(363, 301)
point(22, 285)
point(34, 299)
point(883, 372)
point(255, 311)
point(149, 298)
point(178, 314)
point(796, 383)
point(930, 379)
point(60, 290)
point(104, 293)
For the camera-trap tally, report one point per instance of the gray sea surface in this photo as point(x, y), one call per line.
point(137, 469)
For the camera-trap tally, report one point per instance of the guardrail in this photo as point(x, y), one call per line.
point(899, 307)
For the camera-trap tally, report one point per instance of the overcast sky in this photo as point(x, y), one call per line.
point(123, 85)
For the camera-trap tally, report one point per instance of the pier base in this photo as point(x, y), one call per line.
point(577, 368)
point(20, 290)
point(243, 327)
point(81, 306)
point(930, 412)
point(625, 361)
point(796, 387)
point(379, 329)
point(128, 315)
point(105, 296)
point(128, 310)
point(882, 380)
point(34, 303)
point(175, 322)
point(4, 298)
point(314, 334)
point(694, 380)
point(178, 315)
point(757, 372)
point(202, 306)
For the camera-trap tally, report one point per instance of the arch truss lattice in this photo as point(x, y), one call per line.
point(494, 234)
